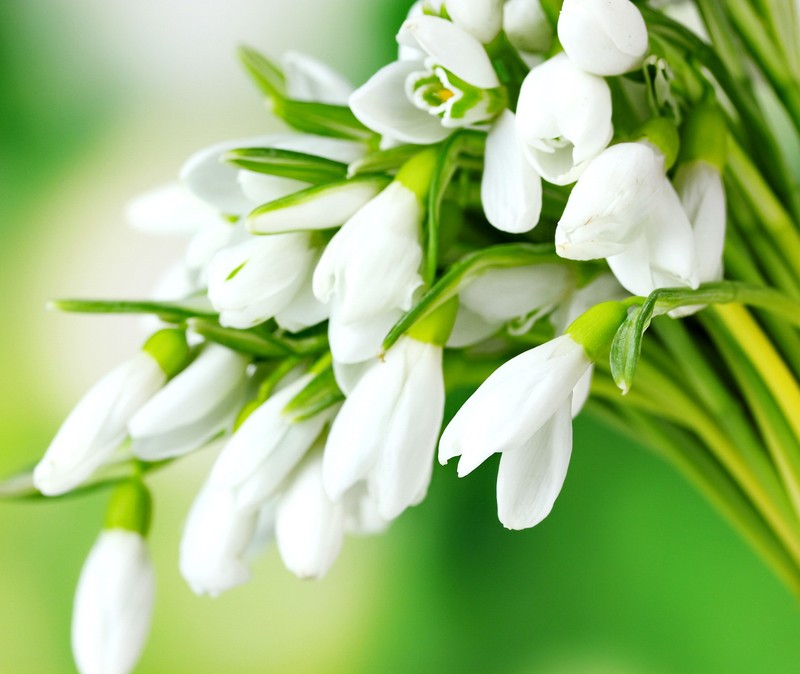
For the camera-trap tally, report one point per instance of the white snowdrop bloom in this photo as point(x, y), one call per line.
point(385, 433)
point(482, 19)
point(603, 37)
point(526, 25)
point(97, 424)
point(511, 190)
point(169, 210)
point(524, 411)
point(563, 119)
point(624, 209)
point(370, 271)
point(193, 407)
point(266, 448)
point(451, 83)
point(309, 526)
point(252, 281)
point(113, 604)
point(216, 538)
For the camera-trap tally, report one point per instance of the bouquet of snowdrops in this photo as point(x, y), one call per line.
point(509, 206)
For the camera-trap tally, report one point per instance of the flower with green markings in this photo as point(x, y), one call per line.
point(98, 424)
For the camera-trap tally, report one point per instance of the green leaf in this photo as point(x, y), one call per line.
point(319, 394)
point(267, 76)
point(286, 164)
point(259, 341)
point(170, 312)
point(322, 119)
point(382, 161)
point(466, 270)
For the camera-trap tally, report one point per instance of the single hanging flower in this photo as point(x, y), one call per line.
point(603, 37)
point(98, 424)
point(115, 596)
point(444, 81)
point(563, 119)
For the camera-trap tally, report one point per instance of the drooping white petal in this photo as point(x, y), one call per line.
point(500, 295)
point(580, 394)
point(382, 105)
point(361, 512)
point(451, 47)
point(511, 190)
point(470, 328)
point(603, 37)
point(169, 210)
point(215, 539)
point(252, 281)
point(113, 604)
point(97, 425)
point(604, 288)
point(403, 469)
point(309, 79)
point(514, 402)
point(260, 188)
point(193, 407)
point(526, 25)
point(309, 527)
point(531, 475)
point(305, 309)
point(482, 19)
point(354, 342)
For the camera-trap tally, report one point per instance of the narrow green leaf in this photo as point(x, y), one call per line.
point(319, 394)
point(267, 76)
point(254, 342)
point(383, 160)
point(170, 312)
point(287, 164)
point(464, 271)
point(322, 119)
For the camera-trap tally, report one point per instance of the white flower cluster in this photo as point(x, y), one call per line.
point(308, 249)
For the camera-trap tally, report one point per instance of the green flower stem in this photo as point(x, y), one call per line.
point(778, 436)
point(765, 359)
point(690, 458)
point(765, 205)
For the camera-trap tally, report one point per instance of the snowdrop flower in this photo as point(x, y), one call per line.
point(98, 423)
point(603, 37)
point(511, 190)
point(482, 19)
point(309, 526)
point(526, 25)
point(624, 209)
point(524, 411)
point(450, 84)
point(116, 590)
point(254, 281)
point(563, 119)
point(370, 269)
point(169, 210)
point(386, 431)
point(195, 406)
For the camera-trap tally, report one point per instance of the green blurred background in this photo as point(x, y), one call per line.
point(632, 572)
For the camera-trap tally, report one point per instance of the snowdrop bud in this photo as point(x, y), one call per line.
point(251, 282)
point(387, 428)
point(481, 18)
point(603, 37)
point(309, 526)
point(526, 25)
point(563, 119)
point(98, 424)
point(215, 540)
point(196, 405)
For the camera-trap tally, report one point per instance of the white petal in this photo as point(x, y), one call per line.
point(511, 191)
point(452, 48)
point(526, 25)
point(113, 604)
point(580, 394)
point(531, 475)
point(192, 408)
point(308, 79)
point(361, 512)
point(382, 105)
point(604, 288)
point(260, 188)
point(309, 527)
point(482, 19)
point(604, 37)
point(359, 341)
point(470, 328)
point(305, 310)
point(97, 425)
point(169, 210)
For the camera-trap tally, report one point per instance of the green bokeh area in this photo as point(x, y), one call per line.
point(632, 572)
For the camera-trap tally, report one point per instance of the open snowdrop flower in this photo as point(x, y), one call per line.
point(196, 405)
point(385, 434)
point(98, 423)
point(253, 281)
point(603, 37)
point(563, 119)
point(420, 100)
point(369, 271)
point(524, 411)
point(624, 209)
